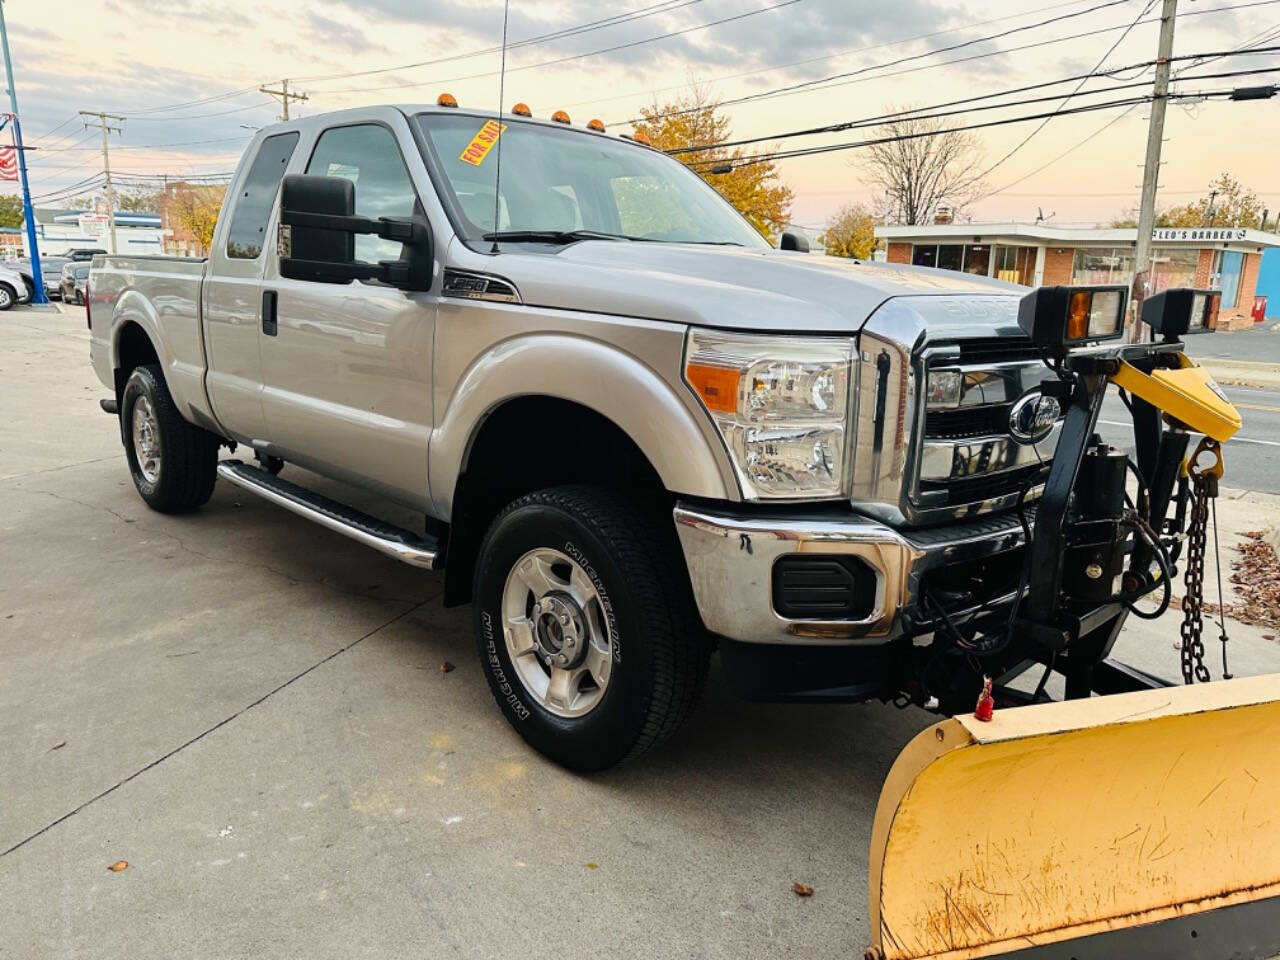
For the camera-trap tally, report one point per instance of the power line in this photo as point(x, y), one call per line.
point(808, 84)
point(588, 54)
point(858, 77)
point(666, 6)
point(828, 56)
point(1098, 66)
point(832, 148)
point(938, 110)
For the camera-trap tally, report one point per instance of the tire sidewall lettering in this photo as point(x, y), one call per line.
point(606, 604)
point(495, 667)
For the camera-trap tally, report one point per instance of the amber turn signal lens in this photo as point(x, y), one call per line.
point(596, 125)
point(522, 110)
point(446, 100)
point(716, 386)
point(560, 117)
point(1078, 315)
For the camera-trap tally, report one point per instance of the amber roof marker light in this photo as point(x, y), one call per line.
point(522, 110)
point(560, 117)
point(596, 125)
point(446, 100)
point(641, 137)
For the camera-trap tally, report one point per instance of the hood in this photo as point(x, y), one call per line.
point(710, 286)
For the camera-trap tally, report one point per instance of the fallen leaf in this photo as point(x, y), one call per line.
point(802, 889)
point(119, 866)
point(446, 667)
point(592, 865)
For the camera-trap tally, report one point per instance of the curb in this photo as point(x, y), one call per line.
point(1242, 373)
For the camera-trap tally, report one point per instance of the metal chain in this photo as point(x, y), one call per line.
point(1203, 488)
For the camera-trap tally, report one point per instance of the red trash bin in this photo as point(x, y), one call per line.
point(1259, 311)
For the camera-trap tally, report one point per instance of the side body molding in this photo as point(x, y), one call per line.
point(660, 416)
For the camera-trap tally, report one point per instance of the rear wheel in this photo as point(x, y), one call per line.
point(174, 464)
point(585, 625)
point(8, 296)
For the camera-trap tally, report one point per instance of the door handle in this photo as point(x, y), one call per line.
point(269, 298)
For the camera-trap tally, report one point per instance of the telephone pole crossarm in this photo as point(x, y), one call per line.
point(284, 96)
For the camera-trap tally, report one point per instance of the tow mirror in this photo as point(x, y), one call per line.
point(791, 240)
point(318, 227)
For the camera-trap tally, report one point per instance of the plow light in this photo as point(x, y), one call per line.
point(1067, 316)
point(1175, 313)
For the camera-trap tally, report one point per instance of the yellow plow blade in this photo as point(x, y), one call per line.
point(1133, 825)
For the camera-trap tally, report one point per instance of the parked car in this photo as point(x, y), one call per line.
point(84, 253)
point(14, 287)
point(50, 271)
point(74, 277)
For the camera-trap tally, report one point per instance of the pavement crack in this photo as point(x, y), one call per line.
point(65, 466)
point(217, 726)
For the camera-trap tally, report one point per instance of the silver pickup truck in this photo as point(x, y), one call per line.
point(636, 432)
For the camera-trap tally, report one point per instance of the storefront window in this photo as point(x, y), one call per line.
point(925, 255)
point(950, 256)
point(1015, 264)
point(970, 257)
point(977, 259)
point(1227, 265)
point(1173, 267)
point(1095, 265)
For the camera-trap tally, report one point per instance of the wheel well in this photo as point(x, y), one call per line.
point(528, 444)
point(135, 349)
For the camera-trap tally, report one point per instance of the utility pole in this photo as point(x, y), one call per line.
point(284, 96)
point(28, 214)
point(1151, 166)
point(106, 166)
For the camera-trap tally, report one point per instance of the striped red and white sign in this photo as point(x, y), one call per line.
point(8, 163)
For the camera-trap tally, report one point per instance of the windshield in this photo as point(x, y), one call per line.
point(81, 272)
point(575, 185)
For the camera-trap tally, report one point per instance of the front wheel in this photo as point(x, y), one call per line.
point(586, 627)
point(8, 296)
point(174, 464)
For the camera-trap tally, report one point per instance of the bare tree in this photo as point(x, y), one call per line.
point(923, 164)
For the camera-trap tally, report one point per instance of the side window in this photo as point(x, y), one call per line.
point(368, 156)
point(253, 206)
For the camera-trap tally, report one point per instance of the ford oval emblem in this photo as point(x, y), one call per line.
point(1032, 417)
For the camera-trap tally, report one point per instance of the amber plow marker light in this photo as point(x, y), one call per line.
point(1058, 317)
point(1135, 825)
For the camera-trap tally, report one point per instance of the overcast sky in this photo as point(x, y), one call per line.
point(132, 57)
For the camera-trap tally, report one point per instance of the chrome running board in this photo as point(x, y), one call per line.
point(404, 545)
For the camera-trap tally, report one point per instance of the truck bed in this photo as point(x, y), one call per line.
point(161, 294)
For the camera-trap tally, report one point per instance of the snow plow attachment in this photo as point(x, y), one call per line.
point(1136, 825)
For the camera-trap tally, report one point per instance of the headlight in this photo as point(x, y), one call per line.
point(781, 405)
point(943, 389)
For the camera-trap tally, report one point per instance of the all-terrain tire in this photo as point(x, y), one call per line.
point(188, 455)
point(659, 651)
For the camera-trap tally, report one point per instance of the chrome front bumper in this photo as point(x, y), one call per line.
point(730, 557)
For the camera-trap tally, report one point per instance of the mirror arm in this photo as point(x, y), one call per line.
point(403, 229)
point(396, 273)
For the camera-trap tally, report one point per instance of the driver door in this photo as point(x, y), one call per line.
point(347, 366)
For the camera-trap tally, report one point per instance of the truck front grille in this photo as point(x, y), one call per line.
point(966, 457)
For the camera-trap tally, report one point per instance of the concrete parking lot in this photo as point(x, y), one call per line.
point(251, 711)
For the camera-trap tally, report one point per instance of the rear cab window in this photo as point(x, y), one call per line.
point(252, 211)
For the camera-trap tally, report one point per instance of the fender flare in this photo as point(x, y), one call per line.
point(684, 451)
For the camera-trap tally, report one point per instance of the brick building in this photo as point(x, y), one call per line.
point(1221, 258)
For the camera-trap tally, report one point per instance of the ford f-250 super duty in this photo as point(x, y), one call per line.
point(637, 432)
